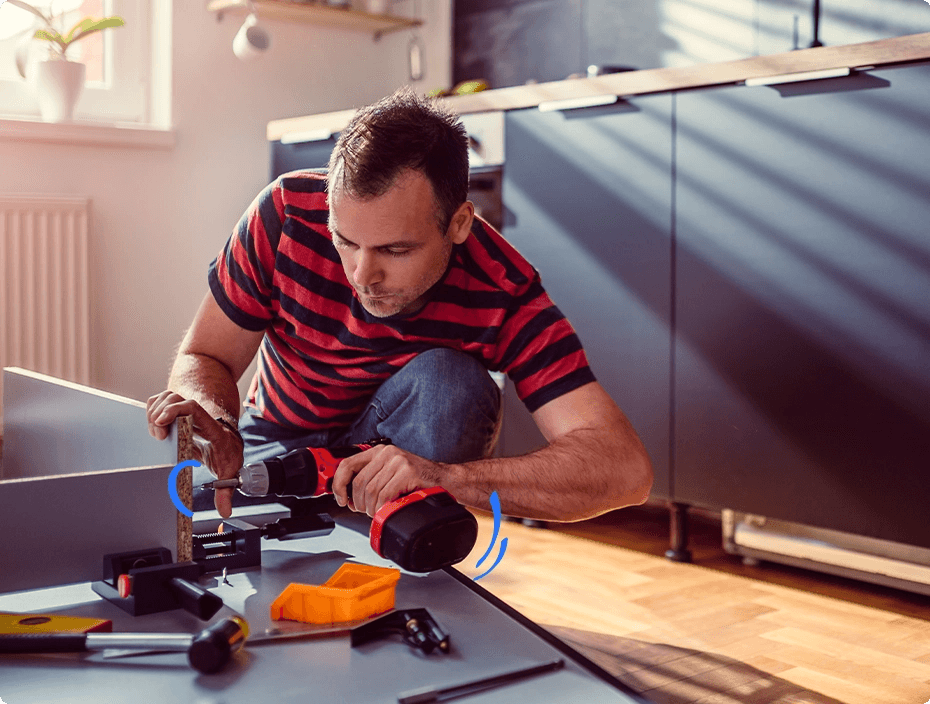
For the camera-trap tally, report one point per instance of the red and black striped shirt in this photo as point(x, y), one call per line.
point(323, 355)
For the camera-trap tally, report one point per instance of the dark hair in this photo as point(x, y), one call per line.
point(400, 132)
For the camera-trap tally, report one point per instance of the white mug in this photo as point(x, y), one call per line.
point(251, 40)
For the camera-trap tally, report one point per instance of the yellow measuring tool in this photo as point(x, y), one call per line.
point(14, 624)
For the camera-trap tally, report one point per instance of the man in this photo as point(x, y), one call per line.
point(378, 302)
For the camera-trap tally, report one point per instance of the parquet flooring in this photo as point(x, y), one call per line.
point(715, 631)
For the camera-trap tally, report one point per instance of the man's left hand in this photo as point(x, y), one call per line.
point(380, 475)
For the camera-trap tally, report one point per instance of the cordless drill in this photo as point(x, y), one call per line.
point(421, 532)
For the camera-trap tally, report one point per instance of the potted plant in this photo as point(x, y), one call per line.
point(58, 81)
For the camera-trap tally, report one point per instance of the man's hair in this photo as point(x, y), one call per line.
point(400, 132)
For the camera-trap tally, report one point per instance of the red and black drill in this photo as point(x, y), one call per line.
point(423, 531)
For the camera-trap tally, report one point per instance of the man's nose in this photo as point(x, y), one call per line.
point(367, 273)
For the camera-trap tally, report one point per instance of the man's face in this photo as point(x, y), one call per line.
point(391, 246)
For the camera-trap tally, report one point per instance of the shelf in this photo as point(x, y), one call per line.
point(319, 14)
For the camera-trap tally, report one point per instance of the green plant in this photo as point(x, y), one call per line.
point(60, 41)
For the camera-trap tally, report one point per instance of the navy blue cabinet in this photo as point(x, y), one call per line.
point(588, 201)
point(749, 272)
point(290, 156)
point(802, 360)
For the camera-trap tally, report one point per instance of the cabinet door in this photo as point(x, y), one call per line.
point(588, 202)
point(313, 154)
point(802, 359)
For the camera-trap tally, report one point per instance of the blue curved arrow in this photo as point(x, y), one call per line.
point(500, 556)
point(496, 507)
point(173, 486)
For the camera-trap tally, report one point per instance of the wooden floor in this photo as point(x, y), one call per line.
point(715, 631)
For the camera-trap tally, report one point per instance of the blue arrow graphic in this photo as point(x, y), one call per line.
point(173, 486)
point(496, 508)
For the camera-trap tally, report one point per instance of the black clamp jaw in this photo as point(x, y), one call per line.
point(146, 581)
point(239, 545)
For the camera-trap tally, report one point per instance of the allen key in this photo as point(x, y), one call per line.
point(427, 695)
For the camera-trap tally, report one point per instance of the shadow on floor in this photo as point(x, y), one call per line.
point(667, 674)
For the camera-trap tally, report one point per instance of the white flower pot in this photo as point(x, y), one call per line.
point(58, 86)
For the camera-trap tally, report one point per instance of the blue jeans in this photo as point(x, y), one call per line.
point(443, 405)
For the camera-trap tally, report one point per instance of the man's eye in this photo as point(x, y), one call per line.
point(398, 252)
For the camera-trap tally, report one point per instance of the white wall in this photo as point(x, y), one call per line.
point(159, 217)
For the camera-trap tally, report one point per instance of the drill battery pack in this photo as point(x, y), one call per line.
point(424, 531)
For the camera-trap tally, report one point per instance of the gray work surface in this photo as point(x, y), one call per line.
point(485, 642)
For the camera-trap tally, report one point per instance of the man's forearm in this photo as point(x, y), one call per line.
point(579, 475)
point(208, 382)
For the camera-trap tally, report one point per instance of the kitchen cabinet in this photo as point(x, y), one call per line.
point(291, 155)
point(802, 302)
point(588, 201)
point(749, 271)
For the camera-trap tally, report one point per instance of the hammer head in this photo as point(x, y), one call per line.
point(212, 648)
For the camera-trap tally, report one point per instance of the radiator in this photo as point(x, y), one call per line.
point(44, 309)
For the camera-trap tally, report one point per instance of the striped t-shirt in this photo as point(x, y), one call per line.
point(323, 355)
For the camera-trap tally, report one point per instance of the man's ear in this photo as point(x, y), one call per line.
point(460, 226)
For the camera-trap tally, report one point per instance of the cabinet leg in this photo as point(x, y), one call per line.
point(678, 533)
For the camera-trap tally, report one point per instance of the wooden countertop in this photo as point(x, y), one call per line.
point(884, 52)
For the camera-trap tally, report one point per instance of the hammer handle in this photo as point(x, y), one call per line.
point(43, 643)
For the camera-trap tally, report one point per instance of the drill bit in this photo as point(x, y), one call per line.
point(221, 484)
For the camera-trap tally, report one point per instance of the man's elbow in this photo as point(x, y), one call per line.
point(646, 478)
point(635, 481)
point(632, 488)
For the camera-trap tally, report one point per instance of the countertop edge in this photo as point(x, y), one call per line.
point(906, 49)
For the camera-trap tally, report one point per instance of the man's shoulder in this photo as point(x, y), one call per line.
point(302, 181)
point(488, 255)
point(301, 195)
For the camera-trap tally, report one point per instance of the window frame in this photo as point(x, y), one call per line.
point(138, 86)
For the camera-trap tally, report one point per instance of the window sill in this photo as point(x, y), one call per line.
point(86, 133)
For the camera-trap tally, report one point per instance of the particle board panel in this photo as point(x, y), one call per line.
point(184, 428)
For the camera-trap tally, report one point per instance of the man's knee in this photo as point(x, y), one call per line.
point(449, 382)
point(450, 410)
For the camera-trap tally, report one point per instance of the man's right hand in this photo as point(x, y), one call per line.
point(225, 450)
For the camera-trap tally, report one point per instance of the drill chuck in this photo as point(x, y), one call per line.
point(254, 480)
